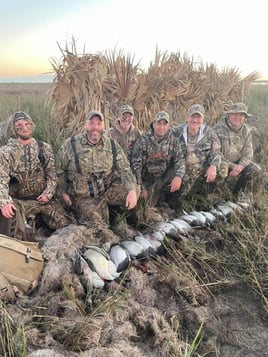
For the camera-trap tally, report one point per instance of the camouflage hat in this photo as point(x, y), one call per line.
point(161, 115)
point(21, 116)
point(94, 113)
point(127, 109)
point(239, 108)
point(196, 109)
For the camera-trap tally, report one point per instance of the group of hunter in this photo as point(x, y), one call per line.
point(121, 166)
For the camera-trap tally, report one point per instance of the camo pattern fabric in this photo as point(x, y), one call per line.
point(96, 165)
point(153, 158)
point(236, 145)
point(199, 154)
point(206, 150)
point(125, 140)
point(94, 211)
point(21, 166)
point(23, 177)
point(52, 213)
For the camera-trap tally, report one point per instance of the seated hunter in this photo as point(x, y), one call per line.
point(237, 149)
point(28, 177)
point(157, 161)
point(85, 165)
point(201, 148)
point(123, 131)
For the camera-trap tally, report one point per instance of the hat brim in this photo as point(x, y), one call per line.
point(199, 113)
point(127, 111)
point(239, 111)
point(157, 120)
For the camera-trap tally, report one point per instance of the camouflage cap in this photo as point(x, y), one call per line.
point(127, 109)
point(94, 113)
point(239, 108)
point(196, 109)
point(161, 115)
point(21, 116)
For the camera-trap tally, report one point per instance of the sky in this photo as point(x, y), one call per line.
point(227, 33)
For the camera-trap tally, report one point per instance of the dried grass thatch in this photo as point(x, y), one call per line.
point(172, 82)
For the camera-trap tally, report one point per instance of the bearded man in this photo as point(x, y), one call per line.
point(28, 177)
point(86, 165)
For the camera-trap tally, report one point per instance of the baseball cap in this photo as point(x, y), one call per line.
point(94, 113)
point(127, 109)
point(161, 115)
point(239, 108)
point(21, 116)
point(196, 109)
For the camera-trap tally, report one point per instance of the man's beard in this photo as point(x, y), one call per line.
point(94, 137)
point(24, 136)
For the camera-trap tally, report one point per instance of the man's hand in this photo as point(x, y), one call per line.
point(8, 210)
point(144, 194)
point(237, 169)
point(131, 200)
point(175, 184)
point(211, 173)
point(66, 198)
point(42, 198)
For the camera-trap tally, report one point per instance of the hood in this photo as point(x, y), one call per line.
point(200, 135)
point(116, 126)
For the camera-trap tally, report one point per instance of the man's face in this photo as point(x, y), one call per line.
point(237, 119)
point(161, 127)
point(94, 128)
point(126, 121)
point(23, 129)
point(195, 121)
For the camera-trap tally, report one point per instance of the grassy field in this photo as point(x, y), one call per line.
point(224, 276)
point(30, 98)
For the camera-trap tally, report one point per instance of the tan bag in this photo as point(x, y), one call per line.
point(6, 291)
point(21, 263)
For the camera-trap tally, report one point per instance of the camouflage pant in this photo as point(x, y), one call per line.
point(193, 178)
point(194, 186)
point(95, 211)
point(246, 180)
point(52, 212)
point(159, 189)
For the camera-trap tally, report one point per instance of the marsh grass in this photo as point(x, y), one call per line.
point(193, 347)
point(12, 336)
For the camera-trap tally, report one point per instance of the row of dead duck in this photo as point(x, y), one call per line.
point(95, 266)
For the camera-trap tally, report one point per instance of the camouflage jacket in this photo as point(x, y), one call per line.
point(152, 157)
point(23, 167)
point(206, 150)
point(125, 140)
point(236, 145)
point(84, 169)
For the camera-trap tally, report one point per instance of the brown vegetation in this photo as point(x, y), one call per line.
point(172, 82)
